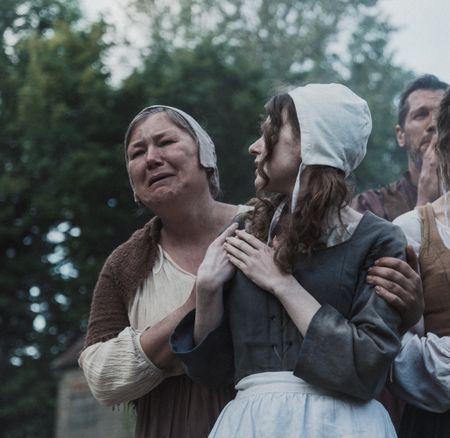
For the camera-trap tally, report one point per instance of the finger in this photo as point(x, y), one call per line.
point(430, 149)
point(411, 258)
point(250, 239)
point(235, 252)
point(390, 298)
point(229, 231)
point(241, 245)
point(390, 286)
point(396, 265)
point(236, 262)
point(429, 156)
point(434, 137)
point(390, 275)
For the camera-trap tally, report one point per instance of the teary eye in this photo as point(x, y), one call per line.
point(135, 153)
point(166, 141)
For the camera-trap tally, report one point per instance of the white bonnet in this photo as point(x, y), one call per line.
point(335, 125)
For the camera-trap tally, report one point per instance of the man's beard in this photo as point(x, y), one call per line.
point(415, 155)
point(416, 158)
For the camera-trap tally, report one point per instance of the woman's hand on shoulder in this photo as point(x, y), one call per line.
point(254, 259)
point(216, 269)
point(399, 284)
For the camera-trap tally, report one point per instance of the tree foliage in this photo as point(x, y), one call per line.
point(65, 202)
point(293, 43)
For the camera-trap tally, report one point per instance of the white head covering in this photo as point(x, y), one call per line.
point(206, 148)
point(335, 125)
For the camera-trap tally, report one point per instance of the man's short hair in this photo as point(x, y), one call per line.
point(425, 82)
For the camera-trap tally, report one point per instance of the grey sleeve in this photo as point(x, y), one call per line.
point(210, 362)
point(353, 355)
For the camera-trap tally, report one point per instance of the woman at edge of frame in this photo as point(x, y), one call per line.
point(426, 348)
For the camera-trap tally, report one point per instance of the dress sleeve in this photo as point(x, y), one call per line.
point(211, 361)
point(352, 355)
point(115, 366)
point(421, 374)
point(410, 223)
point(118, 370)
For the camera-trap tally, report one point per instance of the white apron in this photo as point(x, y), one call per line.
point(278, 404)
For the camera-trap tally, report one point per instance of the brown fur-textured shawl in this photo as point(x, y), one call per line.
point(122, 274)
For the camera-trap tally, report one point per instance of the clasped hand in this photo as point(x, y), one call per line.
point(254, 259)
point(216, 269)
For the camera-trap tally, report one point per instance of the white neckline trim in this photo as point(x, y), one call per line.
point(164, 255)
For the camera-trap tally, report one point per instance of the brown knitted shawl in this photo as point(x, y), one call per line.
point(122, 274)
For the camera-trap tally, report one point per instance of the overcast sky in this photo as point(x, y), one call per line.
point(422, 42)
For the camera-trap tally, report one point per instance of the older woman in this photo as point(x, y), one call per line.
point(426, 349)
point(301, 333)
point(146, 285)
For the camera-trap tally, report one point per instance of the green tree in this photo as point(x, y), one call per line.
point(288, 42)
point(64, 198)
point(374, 77)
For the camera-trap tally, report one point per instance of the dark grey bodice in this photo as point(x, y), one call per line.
point(350, 341)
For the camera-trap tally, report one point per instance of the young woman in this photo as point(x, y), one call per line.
point(299, 330)
point(426, 349)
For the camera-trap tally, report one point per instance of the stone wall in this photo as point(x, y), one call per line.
point(80, 415)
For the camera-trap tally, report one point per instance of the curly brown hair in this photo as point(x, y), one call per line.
point(443, 142)
point(323, 188)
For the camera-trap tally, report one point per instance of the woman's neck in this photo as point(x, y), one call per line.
point(187, 233)
point(190, 226)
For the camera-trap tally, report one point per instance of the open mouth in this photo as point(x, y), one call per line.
point(156, 178)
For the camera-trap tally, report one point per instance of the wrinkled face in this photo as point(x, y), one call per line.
point(282, 168)
point(420, 123)
point(163, 161)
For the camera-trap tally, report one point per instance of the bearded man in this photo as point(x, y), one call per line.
point(416, 133)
